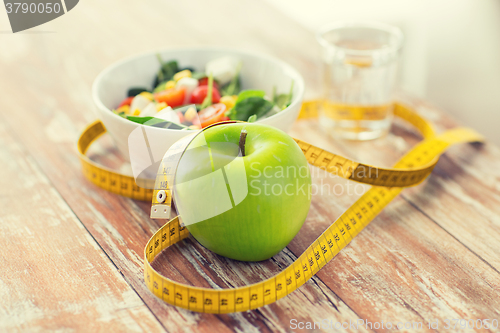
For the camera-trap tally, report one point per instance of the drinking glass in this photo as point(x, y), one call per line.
point(360, 61)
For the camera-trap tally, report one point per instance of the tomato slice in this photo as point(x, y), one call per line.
point(204, 82)
point(200, 92)
point(126, 101)
point(212, 114)
point(173, 97)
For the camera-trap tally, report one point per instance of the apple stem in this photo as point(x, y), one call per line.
point(243, 138)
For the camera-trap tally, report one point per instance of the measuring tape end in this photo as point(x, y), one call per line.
point(160, 211)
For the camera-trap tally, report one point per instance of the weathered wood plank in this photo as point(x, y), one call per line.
point(122, 226)
point(53, 274)
point(465, 181)
point(468, 208)
point(382, 275)
point(404, 266)
point(96, 210)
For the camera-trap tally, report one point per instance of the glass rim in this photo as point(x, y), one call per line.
point(391, 29)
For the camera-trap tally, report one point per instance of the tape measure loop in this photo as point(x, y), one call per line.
point(410, 170)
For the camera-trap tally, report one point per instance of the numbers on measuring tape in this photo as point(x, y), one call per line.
point(313, 258)
point(125, 185)
point(336, 237)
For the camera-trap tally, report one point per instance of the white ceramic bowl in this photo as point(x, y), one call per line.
point(258, 72)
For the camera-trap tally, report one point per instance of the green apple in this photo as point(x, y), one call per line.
point(243, 190)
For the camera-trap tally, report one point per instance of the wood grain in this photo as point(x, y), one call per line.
point(425, 277)
point(122, 227)
point(432, 254)
point(53, 273)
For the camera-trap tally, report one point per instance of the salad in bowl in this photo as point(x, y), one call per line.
point(174, 83)
point(191, 98)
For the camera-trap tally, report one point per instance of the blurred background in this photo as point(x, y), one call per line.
point(451, 56)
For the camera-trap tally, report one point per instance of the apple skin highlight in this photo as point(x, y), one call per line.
point(257, 205)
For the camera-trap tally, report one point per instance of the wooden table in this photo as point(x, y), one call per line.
point(71, 253)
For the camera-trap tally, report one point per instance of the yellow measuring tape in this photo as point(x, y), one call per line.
point(105, 177)
point(413, 168)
